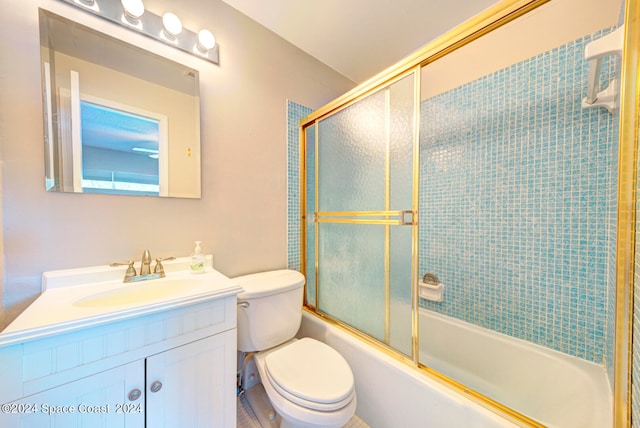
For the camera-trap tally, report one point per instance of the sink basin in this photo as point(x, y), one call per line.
point(143, 292)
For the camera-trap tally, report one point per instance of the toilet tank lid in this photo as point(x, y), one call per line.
point(267, 283)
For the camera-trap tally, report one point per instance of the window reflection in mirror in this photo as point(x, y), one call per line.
point(118, 119)
point(120, 151)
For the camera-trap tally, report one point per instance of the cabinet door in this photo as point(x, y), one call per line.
point(100, 400)
point(193, 385)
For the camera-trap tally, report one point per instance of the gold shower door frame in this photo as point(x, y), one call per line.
point(495, 17)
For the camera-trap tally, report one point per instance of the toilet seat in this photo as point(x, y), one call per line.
point(311, 374)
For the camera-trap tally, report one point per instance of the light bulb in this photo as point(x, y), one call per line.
point(206, 40)
point(172, 24)
point(133, 8)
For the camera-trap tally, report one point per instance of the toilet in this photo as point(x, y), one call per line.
point(308, 383)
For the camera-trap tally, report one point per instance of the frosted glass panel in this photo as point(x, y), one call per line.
point(401, 139)
point(400, 289)
point(352, 154)
point(351, 274)
point(365, 160)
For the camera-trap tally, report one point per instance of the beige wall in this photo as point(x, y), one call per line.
point(241, 217)
point(549, 26)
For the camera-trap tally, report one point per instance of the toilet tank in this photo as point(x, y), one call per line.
point(269, 308)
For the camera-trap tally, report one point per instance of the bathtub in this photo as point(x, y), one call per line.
point(555, 389)
point(551, 387)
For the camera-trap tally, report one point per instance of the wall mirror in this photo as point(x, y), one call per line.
point(118, 119)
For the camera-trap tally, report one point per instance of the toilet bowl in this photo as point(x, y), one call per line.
point(308, 383)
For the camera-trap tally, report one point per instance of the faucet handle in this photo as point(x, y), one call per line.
point(131, 271)
point(159, 268)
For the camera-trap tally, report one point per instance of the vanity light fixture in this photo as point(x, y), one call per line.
point(166, 28)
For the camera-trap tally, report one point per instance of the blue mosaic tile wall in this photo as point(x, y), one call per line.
point(516, 191)
point(295, 112)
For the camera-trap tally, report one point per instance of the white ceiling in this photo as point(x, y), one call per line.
point(360, 38)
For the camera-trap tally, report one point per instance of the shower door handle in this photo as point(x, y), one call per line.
point(409, 218)
point(391, 218)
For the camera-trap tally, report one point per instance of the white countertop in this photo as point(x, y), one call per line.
point(61, 309)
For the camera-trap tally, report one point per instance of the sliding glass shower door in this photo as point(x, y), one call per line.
point(361, 244)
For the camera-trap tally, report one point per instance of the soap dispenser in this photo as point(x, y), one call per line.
point(197, 259)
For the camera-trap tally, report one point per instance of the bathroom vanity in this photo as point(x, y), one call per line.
point(92, 351)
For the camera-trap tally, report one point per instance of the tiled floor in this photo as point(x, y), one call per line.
point(247, 419)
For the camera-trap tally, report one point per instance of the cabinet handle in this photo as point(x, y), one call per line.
point(134, 394)
point(156, 386)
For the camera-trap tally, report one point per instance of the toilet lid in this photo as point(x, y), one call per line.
point(311, 374)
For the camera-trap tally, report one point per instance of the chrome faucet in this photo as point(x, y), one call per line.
point(130, 274)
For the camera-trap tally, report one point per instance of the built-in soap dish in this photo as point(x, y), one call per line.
point(431, 288)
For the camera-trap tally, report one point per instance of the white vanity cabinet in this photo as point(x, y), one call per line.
point(167, 368)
